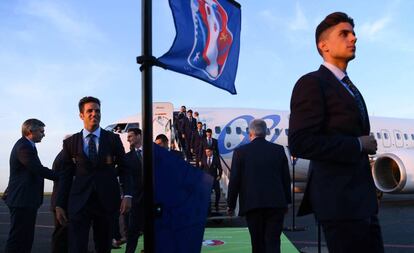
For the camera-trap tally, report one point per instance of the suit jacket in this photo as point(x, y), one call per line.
point(213, 146)
point(189, 127)
point(259, 176)
point(324, 127)
point(196, 141)
point(134, 163)
point(57, 166)
point(214, 169)
point(25, 188)
point(80, 178)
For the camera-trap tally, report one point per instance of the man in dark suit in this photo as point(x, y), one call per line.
point(196, 142)
point(329, 125)
point(212, 165)
point(89, 189)
point(179, 127)
point(136, 215)
point(190, 126)
point(25, 188)
point(209, 142)
point(260, 177)
point(162, 141)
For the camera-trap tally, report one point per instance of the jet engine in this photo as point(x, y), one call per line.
point(394, 172)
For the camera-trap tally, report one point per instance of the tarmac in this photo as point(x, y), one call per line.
point(396, 216)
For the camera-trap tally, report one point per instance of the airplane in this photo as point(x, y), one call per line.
point(392, 166)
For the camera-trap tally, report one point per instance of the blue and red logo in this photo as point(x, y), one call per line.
point(209, 243)
point(212, 37)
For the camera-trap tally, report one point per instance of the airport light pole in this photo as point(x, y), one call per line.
point(146, 61)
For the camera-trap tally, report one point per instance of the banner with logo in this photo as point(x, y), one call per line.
point(183, 194)
point(207, 42)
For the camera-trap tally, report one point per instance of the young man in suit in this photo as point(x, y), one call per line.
point(136, 215)
point(209, 142)
point(25, 188)
point(212, 165)
point(89, 190)
point(196, 141)
point(329, 125)
point(162, 141)
point(190, 126)
point(260, 178)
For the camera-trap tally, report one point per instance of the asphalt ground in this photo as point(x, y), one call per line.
point(396, 217)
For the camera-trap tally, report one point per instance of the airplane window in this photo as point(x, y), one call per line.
point(412, 137)
point(378, 135)
point(228, 130)
point(386, 136)
point(398, 136)
point(238, 130)
point(247, 129)
point(287, 132)
point(267, 131)
point(217, 130)
point(277, 131)
point(406, 136)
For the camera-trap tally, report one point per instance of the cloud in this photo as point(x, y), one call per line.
point(300, 22)
point(65, 20)
point(374, 29)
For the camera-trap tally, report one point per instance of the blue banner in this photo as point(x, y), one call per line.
point(183, 193)
point(207, 42)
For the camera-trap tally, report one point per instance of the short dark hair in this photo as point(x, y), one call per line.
point(331, 20)
point(190, 111)
point(31, 125)
point(162, 137)
point(136, 130)
point(86, 100)
point(209, 130)
point(199, 123)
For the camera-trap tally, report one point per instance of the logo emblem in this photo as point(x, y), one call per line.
point(212, 38)
point(209, 243)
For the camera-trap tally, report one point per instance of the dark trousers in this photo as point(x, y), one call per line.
point(22, 227)
point(79, 225)
point(356, 236)
point(265, 227)
point(135, 226)
point(59, 237)
point(216, 188)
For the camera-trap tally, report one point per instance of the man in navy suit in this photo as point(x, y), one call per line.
point(196, 141)
point(260, 178)
point(25, 188)
point(209, 142)
point(189, 126)
point(212, 165)
point(136, 215)
point(89, 190)
point(329, 125)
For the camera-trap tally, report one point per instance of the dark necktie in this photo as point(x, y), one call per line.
point(92, 152)
point(209, 141)
point(139, 155)
point(199, 132)
point(358, 97)
point(209, 162)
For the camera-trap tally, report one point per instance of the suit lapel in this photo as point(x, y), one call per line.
point(342, 91)
point(79, 142)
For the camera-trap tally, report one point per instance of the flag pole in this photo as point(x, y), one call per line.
point(146, 79)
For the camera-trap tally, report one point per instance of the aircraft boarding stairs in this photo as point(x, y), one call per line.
point(220, 214)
